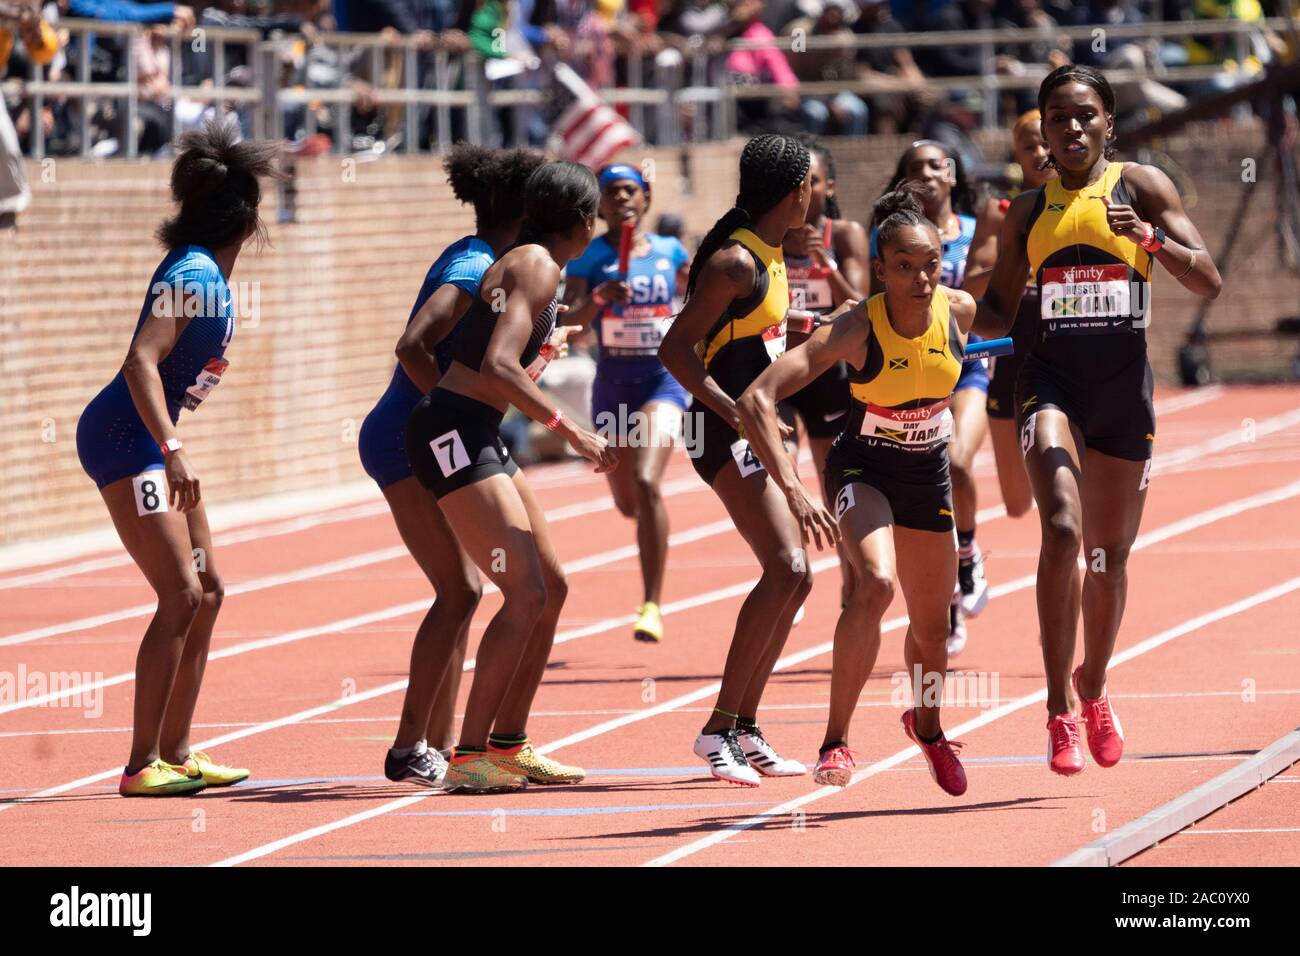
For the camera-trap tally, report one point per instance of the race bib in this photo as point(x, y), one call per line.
point(774, 340)
point(450, 453)
point(844, 501)
point(809, 291)
point(1086, 300)
point(746, 460)
point(913, 429)
point(638, 331)
point(207, 380)
point(150, 493)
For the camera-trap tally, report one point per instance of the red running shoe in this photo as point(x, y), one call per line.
point(945, 768)
point(834, 767)
point(1105, 735)
point(1063, 753)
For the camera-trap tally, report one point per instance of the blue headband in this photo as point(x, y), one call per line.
point(620, 171)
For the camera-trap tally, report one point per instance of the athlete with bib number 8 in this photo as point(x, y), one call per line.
point(888, 471)
point(1087, 424)
point(127, 443)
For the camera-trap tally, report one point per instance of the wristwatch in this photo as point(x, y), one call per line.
point(171, 444)
point(1156, 240)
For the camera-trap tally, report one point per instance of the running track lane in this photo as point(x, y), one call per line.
point(602, 676)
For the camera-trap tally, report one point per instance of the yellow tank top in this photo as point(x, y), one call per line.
point(901, 392)
point(751, 334)
point(1088, 277)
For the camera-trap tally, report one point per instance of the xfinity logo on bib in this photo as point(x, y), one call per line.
point(103, 909)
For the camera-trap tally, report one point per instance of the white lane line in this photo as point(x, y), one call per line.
point(350, 563)
point(1185, 809)
point(1200, 832)
point(784, 663)
point(1150, 644)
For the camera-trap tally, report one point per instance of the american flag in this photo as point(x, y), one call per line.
point(587, 130)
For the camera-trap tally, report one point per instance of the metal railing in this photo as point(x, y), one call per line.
point(428, 79)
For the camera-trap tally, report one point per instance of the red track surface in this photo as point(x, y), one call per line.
point(638, 707)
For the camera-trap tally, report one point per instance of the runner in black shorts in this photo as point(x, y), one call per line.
point(731, 328)
point(1029, 151)
point(1083, 399)
point(455, 449)
point(888, 470)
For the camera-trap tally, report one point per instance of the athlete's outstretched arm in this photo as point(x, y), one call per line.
point(1157, 197)
point(729, 274)
point(435, 320)
point(853, 255)
point(529, 278)
point(997, 308)
point(844, 339)
point(983, 249)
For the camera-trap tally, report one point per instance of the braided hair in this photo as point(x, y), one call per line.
point(771, 166)
point(898, 209)
point(1088, 76)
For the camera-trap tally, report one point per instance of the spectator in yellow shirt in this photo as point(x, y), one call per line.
point(18, 17)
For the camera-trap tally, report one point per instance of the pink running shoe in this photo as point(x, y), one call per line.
point(945, 768)
point(834, 767)
point(1105, 735)
point(1063, 753)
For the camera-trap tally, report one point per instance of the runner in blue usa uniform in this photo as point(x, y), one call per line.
point(635, 402)
point(941, 186)
point(128, 445)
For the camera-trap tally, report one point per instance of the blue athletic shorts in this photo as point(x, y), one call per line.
point(973, 375)
point(381, 442)
point(607, 395)
point(112, 441)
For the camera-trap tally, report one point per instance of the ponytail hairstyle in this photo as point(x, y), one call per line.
point(558, 195)
point(215, 181)
point(770, 167)
point(898, 209)
point(963, 194)
point(1088, 76)
point(815, 145)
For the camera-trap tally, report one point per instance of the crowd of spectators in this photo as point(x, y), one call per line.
point(609, 43)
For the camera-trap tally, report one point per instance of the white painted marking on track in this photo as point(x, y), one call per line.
point(1196, 831)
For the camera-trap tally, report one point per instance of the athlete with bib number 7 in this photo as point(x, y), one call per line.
point(126, 440)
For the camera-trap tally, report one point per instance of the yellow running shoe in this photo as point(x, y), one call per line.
point(199, 764)
point(158, 779)
point(523, 759)
point(649, 623)
point(478, 773)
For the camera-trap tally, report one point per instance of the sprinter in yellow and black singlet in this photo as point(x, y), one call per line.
point(731, 328)
point(1083, 399)
point(888, 472)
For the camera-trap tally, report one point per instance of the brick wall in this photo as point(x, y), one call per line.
point(336, 287)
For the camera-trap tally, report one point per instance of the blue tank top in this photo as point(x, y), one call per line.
point(187, 283)
point(629, 337)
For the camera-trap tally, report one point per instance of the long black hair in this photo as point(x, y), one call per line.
point(557, 196)
point(963, 193)
point(815, 145)
point(1088, 76)
point(897, 209)
point(770, 167)
point(215, 181)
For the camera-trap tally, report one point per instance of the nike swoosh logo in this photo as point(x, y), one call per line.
point(834, 415)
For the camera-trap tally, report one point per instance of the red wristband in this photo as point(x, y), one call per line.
point(799, 320)
point(554, 423)
point(1148, 240)
point(598, 298)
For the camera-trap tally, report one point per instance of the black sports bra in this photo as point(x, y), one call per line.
point(478, 324)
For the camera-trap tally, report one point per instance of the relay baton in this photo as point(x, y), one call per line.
point(624, 255)
point(987, 349)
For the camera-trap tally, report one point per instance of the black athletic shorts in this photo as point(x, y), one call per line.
point(1005, 371)
point(453, 441)
point(823, 402)
point(1116, 415)
point(714, 443)
point(916, 486)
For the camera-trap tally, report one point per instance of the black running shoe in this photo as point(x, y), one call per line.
point(424, 769)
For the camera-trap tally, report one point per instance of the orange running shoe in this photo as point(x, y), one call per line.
point(1063, 753)
point(1105, 734)
point(945, 768)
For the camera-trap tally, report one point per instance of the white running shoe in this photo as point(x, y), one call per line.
point(760, 755)
point(970, 579)
point(798, 617)
point(725, 758)
point(956, 630)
